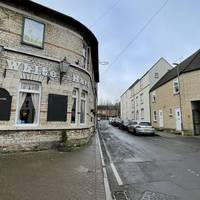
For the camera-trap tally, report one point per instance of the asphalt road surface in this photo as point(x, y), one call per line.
point(151, 168)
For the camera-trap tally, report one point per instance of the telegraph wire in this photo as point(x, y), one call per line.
point(105, 13)
point(137, 35)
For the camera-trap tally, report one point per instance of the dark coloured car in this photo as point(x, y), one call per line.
point(116, 122)
point(124, 124)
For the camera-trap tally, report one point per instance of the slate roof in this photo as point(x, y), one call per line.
point(63, 20)
point(191, 63)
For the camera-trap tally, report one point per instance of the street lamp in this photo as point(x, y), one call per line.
point(179, 85)
point(64, 66)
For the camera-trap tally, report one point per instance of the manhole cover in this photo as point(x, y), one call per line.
point(120, 195)
point(148, 195)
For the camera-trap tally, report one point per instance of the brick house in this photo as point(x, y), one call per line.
point(175, 98)
point(48, 77)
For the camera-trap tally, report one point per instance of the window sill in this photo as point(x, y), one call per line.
point(26, 125)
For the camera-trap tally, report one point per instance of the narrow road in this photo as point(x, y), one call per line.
point(153, 168)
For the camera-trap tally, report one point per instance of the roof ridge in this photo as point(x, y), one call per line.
point(197, 53)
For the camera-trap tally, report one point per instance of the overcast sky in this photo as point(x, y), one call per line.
point(174, 33)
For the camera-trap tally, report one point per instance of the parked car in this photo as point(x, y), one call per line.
point(131, 127)
point(116, 122)
point(142, 128)
point(124, 124)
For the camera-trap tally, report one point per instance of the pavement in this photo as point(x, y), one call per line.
point(163, 167)
point(53, 175)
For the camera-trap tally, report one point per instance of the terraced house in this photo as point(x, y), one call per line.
point(48, 77)
point(135, 103)
point(175, 98)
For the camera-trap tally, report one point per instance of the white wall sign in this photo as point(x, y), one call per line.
point(24, 67)
point(76, 78)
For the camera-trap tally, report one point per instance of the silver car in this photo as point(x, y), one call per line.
point(140, 128)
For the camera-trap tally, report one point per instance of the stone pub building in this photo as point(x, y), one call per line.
point(48, 77)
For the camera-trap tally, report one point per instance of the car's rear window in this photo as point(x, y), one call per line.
point(145, 124)
point(133, 123)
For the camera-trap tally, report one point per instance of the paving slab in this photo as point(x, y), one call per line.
point(53, 175)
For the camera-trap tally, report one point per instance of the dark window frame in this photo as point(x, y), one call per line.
point(54, 115)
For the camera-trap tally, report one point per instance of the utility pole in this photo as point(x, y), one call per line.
point(180, 102)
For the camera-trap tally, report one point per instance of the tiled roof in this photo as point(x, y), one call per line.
point(191, 63)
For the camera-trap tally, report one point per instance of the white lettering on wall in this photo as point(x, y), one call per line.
point(24, 67)
point(76, 78)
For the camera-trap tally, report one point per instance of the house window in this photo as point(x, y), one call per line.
point(175, 87)
point(28, 106)
point(33, 33)
point(133, 115)
point(142, 114)
point(170, 112)
point(154, 116)
point(156, 75)
point(74, 106)
point(141, 84)
point(83, 108)
point(153, 97)
point(137, 101)
point(132, 103)
point(137, 115)
point(141, 99)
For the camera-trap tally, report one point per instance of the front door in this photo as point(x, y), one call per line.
point(196, 121)
point(178, 119)
point(161, 123)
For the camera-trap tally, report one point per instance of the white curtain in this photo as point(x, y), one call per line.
point(22, 97)
point(35, 100)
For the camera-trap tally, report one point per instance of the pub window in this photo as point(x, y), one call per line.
point(85, 55)
point(5, 105)
point(28, 107)
point(57, 108)
point(83, 108)
point(74, 106)
point(33, 33)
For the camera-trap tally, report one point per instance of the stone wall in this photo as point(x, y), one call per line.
point(15, 141)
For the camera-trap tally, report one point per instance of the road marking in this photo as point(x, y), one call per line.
point(119, 180)
point(115, 172)
point(105, 176)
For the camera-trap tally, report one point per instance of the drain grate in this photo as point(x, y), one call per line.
point(120, 195)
